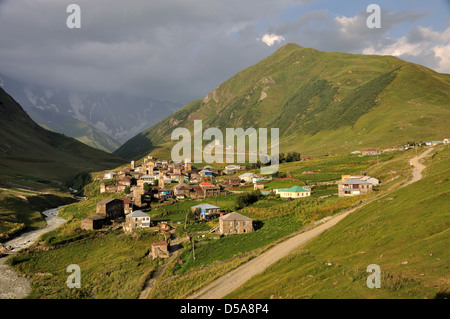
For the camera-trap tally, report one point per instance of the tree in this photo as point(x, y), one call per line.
point(192, 216)
point(293, 157)
point(127, 190)
point(246, 199)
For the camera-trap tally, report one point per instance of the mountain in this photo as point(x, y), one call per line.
point(30, 152)
point(103, 121)
point(322, 102)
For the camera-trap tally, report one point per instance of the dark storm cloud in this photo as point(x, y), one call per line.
point(177, 50)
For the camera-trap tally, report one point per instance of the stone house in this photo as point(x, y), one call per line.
point(182, 189)
point(354, 187)
point(127, 205)
point(195, 178)
point(125, 181)
point(206, 210)
point(111, 209)
point(110, 175)
point(94, 222)
point(211, 191)
point(372, 180)
point(160, 250)
point(149, 179)
point(232, 181)
point(371, 151)
point(247, 177)
point(258, 185)
point(235, 223)
point(135, 220)
point(197, 193)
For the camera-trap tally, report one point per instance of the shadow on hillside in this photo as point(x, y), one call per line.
point(78, 182)
point(442, 295)
point(257, 224)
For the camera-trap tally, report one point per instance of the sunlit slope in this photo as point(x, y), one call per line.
point(321, 101)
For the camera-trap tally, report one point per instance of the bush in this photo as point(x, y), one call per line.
point(246, 199)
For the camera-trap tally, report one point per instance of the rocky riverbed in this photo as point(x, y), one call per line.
point(12, 286)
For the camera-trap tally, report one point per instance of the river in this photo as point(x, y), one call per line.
point(12, 286)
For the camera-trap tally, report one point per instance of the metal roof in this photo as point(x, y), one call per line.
point(294, 189)
point(235, 216)
point(354, 181)
point(138, 213)
point(205, 206)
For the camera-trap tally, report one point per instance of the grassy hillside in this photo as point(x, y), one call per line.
point(406, 233)
point(20, 210)
point(29, 154)
point(321, 101)
point(84, 133)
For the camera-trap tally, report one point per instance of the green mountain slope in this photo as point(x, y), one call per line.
point(405, 233)
point(321, 102)
point(29, 152)
point(84, 133)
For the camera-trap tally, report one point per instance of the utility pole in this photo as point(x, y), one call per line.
point(193, 247)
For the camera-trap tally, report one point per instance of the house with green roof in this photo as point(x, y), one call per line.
point(294, 192)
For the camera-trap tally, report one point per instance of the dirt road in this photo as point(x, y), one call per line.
point(418, 167)
point(12, 286)
point(237, 277)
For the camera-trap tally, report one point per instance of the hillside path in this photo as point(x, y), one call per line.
point(237, 277)
point(418, 167)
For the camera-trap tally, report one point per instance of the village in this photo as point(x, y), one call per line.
point(181, 219)
point(159, 182)
point(163, 182)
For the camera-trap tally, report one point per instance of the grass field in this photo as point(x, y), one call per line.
point(113, 265)
point(274, 220)
point(20, 210)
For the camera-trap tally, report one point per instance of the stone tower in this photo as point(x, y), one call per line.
point(102, 188)
point(138, 191)
point(187, 164)
point(133, 165)
point(161, 180)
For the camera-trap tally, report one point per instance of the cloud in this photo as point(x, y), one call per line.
point(443, 54)
point(176, 50)
point(180, 50)
point(325, 31)
point(270, 39)
point(421, 45)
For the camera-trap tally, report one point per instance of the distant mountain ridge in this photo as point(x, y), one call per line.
point(28, 151)
point(103, 121)
point(322, 102)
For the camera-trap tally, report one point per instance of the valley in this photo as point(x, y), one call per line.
point(280, 219)
point(369, 187)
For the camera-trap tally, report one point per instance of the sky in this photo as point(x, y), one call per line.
point(180, 50)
